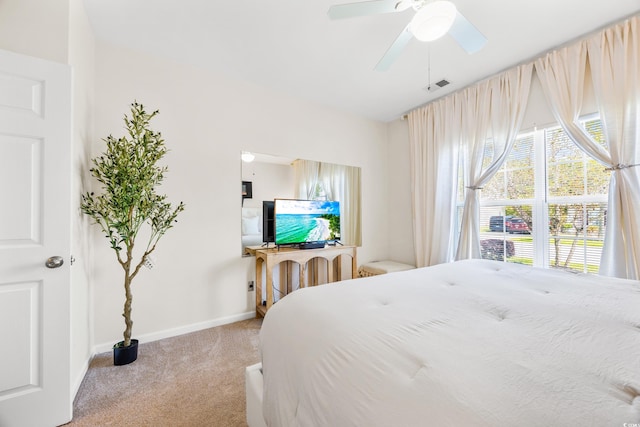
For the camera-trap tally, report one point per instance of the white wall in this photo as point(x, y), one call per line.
point(269, 181)
point(81, 59)
point(400, 223)
point(207, 119)
point(35, 28)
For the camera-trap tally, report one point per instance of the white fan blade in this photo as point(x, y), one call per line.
point(351, 10)
point(467, 36)
point(395, 50)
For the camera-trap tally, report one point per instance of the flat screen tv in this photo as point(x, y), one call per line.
point(305, 221)
point(268, 221)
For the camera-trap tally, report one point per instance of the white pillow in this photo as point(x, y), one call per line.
point(250, 225)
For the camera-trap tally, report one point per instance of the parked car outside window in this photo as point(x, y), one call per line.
point(496, 223)
point(512, 224)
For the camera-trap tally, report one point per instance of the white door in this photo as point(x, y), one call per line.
point(35, 146)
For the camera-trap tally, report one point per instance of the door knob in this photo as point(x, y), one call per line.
point(54, 262)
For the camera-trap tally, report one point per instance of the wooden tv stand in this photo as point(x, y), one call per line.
point(271, 257)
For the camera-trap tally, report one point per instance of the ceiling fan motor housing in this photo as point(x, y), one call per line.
point(433, 20)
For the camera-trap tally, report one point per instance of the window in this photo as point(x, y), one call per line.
point(577, 188)
point(547, 205)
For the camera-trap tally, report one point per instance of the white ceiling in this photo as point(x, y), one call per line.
point(292, 46)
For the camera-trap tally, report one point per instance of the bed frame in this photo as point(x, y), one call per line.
point(253, 390)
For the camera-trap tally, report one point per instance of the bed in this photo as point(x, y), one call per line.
point(251, 226)
point(471, 343)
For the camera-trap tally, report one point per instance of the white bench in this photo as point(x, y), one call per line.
point(375, 268)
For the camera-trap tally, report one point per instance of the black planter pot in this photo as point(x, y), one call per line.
point(125, 355)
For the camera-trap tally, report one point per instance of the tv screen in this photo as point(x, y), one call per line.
point(268, 220)
point(302, 221)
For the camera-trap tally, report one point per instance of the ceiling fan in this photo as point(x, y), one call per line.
point(432, 20)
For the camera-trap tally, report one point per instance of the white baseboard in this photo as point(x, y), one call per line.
point(168, 333)
point(75, 386)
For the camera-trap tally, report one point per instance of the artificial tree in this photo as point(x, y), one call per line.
point(129, 174)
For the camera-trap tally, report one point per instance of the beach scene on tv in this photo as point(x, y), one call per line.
point(299, 221)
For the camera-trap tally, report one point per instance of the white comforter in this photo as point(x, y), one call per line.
point(473, 343)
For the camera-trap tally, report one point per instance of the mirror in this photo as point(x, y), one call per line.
point(268, 177)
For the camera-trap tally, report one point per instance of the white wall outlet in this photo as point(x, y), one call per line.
point(250, 285)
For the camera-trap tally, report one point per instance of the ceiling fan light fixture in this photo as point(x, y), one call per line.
point(433, 20)
point(247, 157)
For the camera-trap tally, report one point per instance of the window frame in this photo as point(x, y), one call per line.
point(541, 199)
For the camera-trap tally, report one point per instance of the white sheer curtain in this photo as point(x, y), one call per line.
point(434, 135)
point(340, 183)
point(332, 178)
point(306, 176)
point(475, 117)
point(613, 56)
point(496, 107)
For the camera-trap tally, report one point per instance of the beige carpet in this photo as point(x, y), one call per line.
point(195, 379)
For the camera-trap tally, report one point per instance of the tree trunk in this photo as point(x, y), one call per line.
point(127, 306)
point(572, 250)
point(556, 243)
